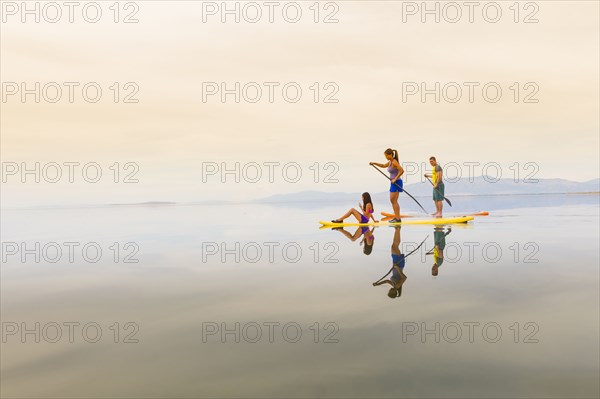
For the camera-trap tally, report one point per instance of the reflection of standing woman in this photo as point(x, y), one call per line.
point(396, 172)
point(398, 261)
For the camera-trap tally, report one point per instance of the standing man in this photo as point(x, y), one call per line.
point(438, 186)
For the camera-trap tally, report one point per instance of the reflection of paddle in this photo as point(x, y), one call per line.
point(403, 190)
point(406, 256)
point(438, 191)
point(433, 249)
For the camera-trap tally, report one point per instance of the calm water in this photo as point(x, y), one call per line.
point(513, 311)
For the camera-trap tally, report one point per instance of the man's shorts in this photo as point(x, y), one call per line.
point(438, 194)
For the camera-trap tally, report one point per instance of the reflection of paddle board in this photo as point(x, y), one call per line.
point(461, 219)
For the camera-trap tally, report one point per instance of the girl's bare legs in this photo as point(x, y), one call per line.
point(353, 212)
point(396, 241)
point(395, 205)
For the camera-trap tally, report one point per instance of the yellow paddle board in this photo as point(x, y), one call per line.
point(461, 219)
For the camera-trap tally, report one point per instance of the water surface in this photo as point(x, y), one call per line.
point(529, 271)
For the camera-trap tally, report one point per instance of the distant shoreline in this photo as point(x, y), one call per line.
point(290, 200)
point(149, 203)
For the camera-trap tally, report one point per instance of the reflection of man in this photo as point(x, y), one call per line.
point(438, 186)
point(439, 243)
point(398, 261)
point(368, 237)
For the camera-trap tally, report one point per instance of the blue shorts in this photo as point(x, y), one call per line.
point(398, 260)
point(394, 187)
point(363, 219)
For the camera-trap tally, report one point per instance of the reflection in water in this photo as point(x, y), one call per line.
point(399, 259)
point(398, 278)
point(365, 233)
point(398, 262)
point(439, 243)
point(171, 295)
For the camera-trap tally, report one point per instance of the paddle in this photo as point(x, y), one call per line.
point(403, 190)
point(406, 256)
point(446, 199)
point(387, 215)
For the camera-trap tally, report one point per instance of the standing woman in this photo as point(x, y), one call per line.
point(396, 172)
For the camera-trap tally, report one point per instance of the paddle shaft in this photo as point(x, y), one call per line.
point(438, 191)
point(403, 190)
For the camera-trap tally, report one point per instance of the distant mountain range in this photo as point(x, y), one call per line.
point(472, 192)
point(478, 186)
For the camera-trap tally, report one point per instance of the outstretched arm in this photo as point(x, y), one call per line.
point(382, 282)
point(381, 165)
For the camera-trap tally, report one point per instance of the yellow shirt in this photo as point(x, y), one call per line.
point(434, 173)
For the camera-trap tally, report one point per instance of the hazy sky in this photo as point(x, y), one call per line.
point(369, 58)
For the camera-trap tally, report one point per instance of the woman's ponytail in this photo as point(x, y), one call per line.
point(393, 153)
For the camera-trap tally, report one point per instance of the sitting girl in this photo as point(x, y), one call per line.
point(366, 208)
